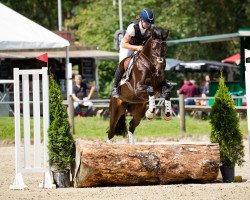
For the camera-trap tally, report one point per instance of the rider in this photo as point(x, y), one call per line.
point(137, 33)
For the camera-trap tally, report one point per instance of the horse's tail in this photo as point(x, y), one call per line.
point(121, 128)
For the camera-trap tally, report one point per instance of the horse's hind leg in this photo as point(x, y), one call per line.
point(137, 112)
point(116, 111)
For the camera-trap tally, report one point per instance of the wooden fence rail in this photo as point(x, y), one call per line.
point(182, 108)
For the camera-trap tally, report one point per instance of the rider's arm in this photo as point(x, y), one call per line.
point(125, 44)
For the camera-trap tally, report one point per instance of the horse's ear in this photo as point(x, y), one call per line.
point(165, 34)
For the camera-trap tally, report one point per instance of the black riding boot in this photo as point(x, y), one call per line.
point(118, 77)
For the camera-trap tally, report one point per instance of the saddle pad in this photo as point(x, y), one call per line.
point(126, 74)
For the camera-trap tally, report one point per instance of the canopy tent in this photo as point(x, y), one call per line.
point(18, 32)
point(203, 65)
point(97, 54)
point(232, 59)
point(243, 35)
point(171, 63)
point(208, 67)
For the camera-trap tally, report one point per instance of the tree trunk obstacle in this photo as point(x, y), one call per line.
point(103, 164)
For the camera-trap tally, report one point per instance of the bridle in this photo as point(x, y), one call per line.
point(159, 60)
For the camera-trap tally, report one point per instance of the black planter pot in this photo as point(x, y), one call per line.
point(61, 178)
point(227, 173)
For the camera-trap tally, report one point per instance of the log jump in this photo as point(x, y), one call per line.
point(102, 164)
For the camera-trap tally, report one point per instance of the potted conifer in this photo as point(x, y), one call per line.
point(225, 131)
point(61, 146)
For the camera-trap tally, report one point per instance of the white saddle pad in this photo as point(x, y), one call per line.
point(126, 74)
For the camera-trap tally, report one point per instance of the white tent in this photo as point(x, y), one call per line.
point(18, 32)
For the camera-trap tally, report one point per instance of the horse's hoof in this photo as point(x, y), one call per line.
point(149, 114)
point(167, 117)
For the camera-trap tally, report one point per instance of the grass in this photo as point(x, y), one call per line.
point(95, 128)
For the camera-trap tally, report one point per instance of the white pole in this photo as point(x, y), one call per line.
point(120, 15)
point(247, 79)
point(68, 74)
point(59, 15)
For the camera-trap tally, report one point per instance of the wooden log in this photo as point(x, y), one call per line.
point(102, 164)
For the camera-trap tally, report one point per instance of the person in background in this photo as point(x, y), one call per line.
point(205, 87)
point(80, 96)
point(137, 33)
point(205, 90)
point(188, 89)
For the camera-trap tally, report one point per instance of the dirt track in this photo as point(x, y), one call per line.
point(180, 191)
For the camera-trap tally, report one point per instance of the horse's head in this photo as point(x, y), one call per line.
point(159, 48)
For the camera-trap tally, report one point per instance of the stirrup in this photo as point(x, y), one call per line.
point(115, 93)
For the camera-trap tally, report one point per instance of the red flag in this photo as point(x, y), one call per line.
point(43, 57)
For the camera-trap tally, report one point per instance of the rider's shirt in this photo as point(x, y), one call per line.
point(138, 33)
point(138, 36)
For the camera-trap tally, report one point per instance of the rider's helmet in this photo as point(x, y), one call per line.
point(147, 16)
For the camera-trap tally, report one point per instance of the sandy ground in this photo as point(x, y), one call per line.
point(176, 191)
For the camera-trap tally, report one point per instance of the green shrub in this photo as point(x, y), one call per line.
point(61, 144)
point(225, 128)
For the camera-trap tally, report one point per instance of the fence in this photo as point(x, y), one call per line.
point(40, 157)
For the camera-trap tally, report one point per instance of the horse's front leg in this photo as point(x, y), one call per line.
point(166, 92)
point(150, 113)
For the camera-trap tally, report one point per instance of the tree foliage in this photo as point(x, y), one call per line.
point(61, 144)
point(43, 12)
point(95, 22)
point(225, 127)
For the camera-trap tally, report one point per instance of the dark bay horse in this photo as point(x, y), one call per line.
point(146, 82)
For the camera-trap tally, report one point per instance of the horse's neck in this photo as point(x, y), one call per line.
point(147, 49)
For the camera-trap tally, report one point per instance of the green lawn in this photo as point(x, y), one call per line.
point(94, 128)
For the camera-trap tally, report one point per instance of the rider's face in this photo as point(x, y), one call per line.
point(145, 25)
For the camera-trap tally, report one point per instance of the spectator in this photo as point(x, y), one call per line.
point(80, 96)
point(205, 86)
point(205, 89)
point(188, 89)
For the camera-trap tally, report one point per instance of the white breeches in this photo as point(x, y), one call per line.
point(124, 53)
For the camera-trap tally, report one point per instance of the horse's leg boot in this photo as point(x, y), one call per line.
point(168, 110)
point(118, 77)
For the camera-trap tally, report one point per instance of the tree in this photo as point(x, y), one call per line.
point(61, 146)
point(225, 127)
point(43, 12)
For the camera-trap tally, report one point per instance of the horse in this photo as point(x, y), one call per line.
point(146, 82)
